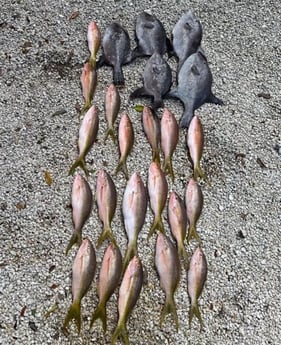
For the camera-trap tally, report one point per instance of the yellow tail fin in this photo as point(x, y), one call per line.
point(169, 308)
point(120, 330)
point(76, 238)
point(100, 313)
point(74, 312)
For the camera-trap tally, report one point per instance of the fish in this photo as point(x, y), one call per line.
point(94, 41)
point(169, 140)
point(87, 136)
point(157, 191)
point(88, 81)
point(150, 36)
point(128, 295)
point(106, 198)
point(168, 268)
point(126, 141)
point(116, 51)
point(194, 205)
point(196, 278)
point(194, 86)
point(112, 107)
point(110, 274)
point(83, 272)
point(195, 144)
point(151, 127)
point(187, 36)
point(134, 207)
point(157, 80)
point(177, 220)
point(81, 202)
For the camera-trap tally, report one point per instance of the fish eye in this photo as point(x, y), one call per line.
point(187, 26)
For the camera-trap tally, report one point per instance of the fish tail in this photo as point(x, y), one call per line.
point(80, 162)
point(186, 118)
point(106, 234)
point(169, 308)
point(157, 103)
point(122, 165)
point(156, 225)
point(86, 106)
point(76, 238)
point(138, 93)
point(74, 312)
point(120, 330)
point(130, 252)
point(182, 251)
point(192, 233)
point(168, 167)
point(215, 100)
point(199, 172)
point(156, 156)
point(100, 313)
point(110, 132)
point(93, 60)
point(118, 77)
point(194, 310)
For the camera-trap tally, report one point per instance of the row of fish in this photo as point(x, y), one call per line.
point(182, 216)
point(194, 77)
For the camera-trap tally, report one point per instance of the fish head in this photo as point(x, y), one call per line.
point(167, 117)
point(146, 114)
point(101, 179)
point(195, 125)
point(198, 263)
point(174, 200)
point(78, 183)
point(93, 26)
point(154, 168)
point(112, 95)
point(191, 22)
point(161, 242)
point(87, 69)
point(134, 266)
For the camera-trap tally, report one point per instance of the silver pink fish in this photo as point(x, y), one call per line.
point(169, 140)
point(178, 222)
point(126, 141)
point(134, 207)
point(197, 275)
point(81, 202)
point(83, 272)
point(94, 41)
point(88, 81)
point(195, 144)
point(106, 197)
point(110, 274)
point(151, 126)
point(194, 205)
point(168, 267)
point(128, 295)
point(112, 107)
point(157, 191)
point(87, 136)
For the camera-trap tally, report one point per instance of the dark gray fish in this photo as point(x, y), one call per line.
point(116, 51)
point(157, 80)
point(150, 36)
point(194, 86)
point(187, 36)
